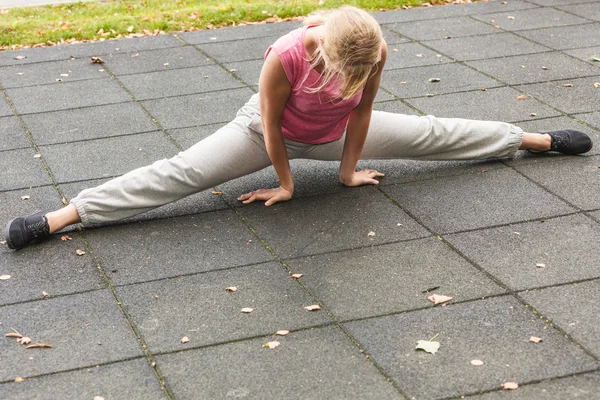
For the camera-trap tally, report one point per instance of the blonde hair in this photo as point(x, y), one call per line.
point(350, 51)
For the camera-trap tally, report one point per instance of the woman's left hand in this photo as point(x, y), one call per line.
point(363, 177)
point(269, 196)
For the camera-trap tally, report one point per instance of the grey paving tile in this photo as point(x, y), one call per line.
point(576, 99)
point(49, 72)
point(495, 331)
point(586, 54)
point(198, 109)
point(179, 82)
point(472, 201)
point(535, 68)
point(567, 37)
point(12, 134)
point(143, 251)
point(20, 170)
point(88, 123)
point(592, 118)
point(199, 307)
point(589, 10)
point(51, 266)
point(5, 109)
point(241, 370)
point(570, 308)
point(405, 55)
point(239, 50)
point(530, 19)
point(395, 106)
point(573, 387)
point(187, 137)
point(65, 52)
point(391, 37)
point(485, 46)
point(390, 278)
point(239, 32)
point(492, 105)
point(441, 28)
point(133, 380)
point(511, 253)
point(559, 2)
point(84, 330)
point(574, 179)
point(248, 71)
point(334, 222)
point(107, 157)
point(155, 60)
point(41, 198)
point(414, 82)
point(65, 95)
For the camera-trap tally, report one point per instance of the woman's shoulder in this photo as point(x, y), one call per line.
point(292, 41)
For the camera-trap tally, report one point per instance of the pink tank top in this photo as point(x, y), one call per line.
point(310, 117)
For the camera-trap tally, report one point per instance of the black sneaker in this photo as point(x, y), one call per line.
point(21, 231)
point(570, 142)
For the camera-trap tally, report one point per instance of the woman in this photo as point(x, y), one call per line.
point(316, 94)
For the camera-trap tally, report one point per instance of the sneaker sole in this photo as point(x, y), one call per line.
point(6, 235)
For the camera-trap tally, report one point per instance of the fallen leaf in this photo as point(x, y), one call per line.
point(25, 340)
point(477, 363)
point(597, 85)
point(540, 265)
point(20, 57)
point(434, 79)
point(65, 238)
point(522, 97)
point(448, 37)
point(594, 58)
point(79, 252)
point(19, 379)
point(64, 75)
point(231, 289)
point(216, 193)
point(429, 95)
point(98, 398)
point(533, 115)
point(58, 80)
point(509, 386)
point(282, 332)
point(297, 276)
point(314, 307)
point(272, 345)
point(185, 339)
point(4, 277)
point(26, 197)
point(247, 310)
point(14, 334)
point(568, 85)
point(130, 28)
point(545, 68)
point(44, 294)
point(535, 339)
point(496, 26)
point(419, 55)
point(428, 346)
point(37, 156)
point(135, 55)
point(483, 89)
point(97, 60)
point(510, 17)
point(439, 298)
point(20, 73)
point(371, 233)
point(39, 346)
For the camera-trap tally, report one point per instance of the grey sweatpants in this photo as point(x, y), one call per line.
point(238, 149)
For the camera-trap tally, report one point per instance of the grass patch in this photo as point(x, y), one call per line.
point(29, 26)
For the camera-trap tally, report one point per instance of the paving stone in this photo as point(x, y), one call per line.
point(328, 223)
point(573, 387)
point(20, 170)
point(239, 32)
point(65, 95)
point(592, 118)
point(155, 60)
point(492, 105)
point(239, 50)
point(248, 71)
point(395, 106)
point(390, 278)
point(12, 134)
point(49, 73)
point(485, 46)
point(88, 123)
point(571, 100)
point(179, 82)
point(511, 253)
point(307, 357)
point(495, 331)
point(589, 10)
point(198, 109)
point(586, 54)
point(5, 109)
point(440, 29)
point(533, 18)
point(199, 307)
point(406, 55)
point(453, 78)
point(51, 266)
point(84, 329)
point(530, 68)
point(472, 201)
point(65, 52)
point(566, 37)
point(559, 2)
point(392, 37)
point(574, 179)
point(107, 157)
point(143, 251)
point(569, 307)
point(133, 380)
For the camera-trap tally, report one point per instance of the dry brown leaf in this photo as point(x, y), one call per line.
point(483, 89)
point(14, 334)
point(371, 233)
point(44, 294)
point(282, 332)
point(20, 57)
point(79, 252)
point(510, 385)
point(533, 115)
point(439, 298)
point(540, 265)
point(64, 238)
point(272, 345)
point(447, 37)
point(98, 398)
point(419, 55)
point(297, 276)
point(25, 197)
point(4, 277)
point(39, 346)
point(247, 310)
point(522, 97)
point(535, 339)
point(434, 79)
point(25, 340)
point(429, 95)
point(231, 289)
point(97, 60)
point(135, 55)
point(130, 28)
point(568, 85)
point(185, 339)
point(477, 363)
point(37, 156)
point(545, 68)
point(314, 307)
point(216, 193)
point(19, 379)
point(597, 85)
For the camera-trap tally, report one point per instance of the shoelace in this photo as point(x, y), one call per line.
point(560, 141)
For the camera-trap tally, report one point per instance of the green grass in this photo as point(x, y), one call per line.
point(28, 26)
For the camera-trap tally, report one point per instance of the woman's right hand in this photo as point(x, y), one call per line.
point(269, 196)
